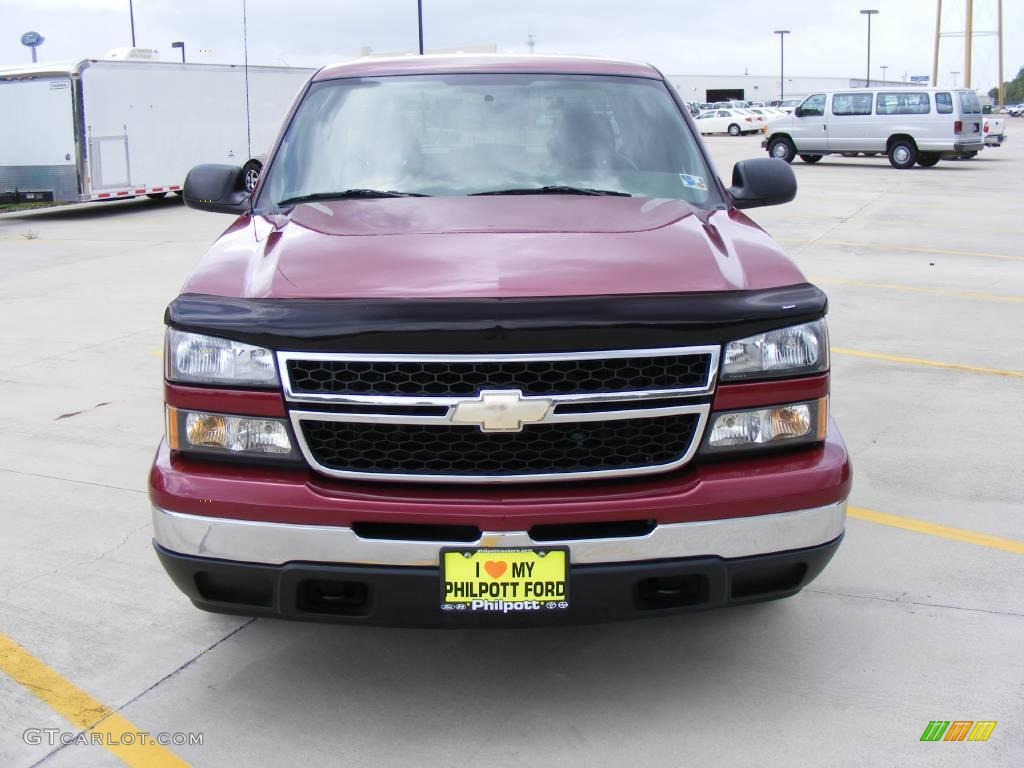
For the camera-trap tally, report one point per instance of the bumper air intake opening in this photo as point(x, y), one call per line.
point(755, 582)
point(616, 529)
point(340, 598)
point(671, 592)
point(238, 588)
point(416, 532)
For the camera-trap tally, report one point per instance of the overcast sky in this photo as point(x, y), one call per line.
point(829, 37)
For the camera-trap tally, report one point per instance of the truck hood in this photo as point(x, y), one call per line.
point(502, 246)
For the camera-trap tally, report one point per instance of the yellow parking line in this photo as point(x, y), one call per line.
point(934, 529)
point(927, 363)
point(83, 711)
point(908, 248)
point(978, 295)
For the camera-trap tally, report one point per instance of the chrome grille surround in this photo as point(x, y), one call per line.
point(439, 409)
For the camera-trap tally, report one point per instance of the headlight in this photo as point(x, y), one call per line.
point(228, 435)
point(789, 424)
point(791, 351)
point(198, 359)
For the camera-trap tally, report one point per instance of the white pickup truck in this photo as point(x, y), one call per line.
point(993, 130)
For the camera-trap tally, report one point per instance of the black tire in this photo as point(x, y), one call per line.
point(928, 159)
point(810, 159)
point(156, 195)
point(782, 149)
point(734, 130)
point(251, 172)
point(849, 154)
point(902, 154)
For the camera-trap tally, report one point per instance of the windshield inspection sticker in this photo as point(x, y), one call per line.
point(693, 182)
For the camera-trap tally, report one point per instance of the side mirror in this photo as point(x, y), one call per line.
point(798, 112)
point(764, 181)
point(217, 188)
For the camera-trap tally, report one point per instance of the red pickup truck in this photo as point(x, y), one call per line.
point(490, 343)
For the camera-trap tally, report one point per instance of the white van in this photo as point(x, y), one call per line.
point(910, 125)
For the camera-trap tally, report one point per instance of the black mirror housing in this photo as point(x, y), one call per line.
point(764, 181)
point(217, 188)
point(798, 112)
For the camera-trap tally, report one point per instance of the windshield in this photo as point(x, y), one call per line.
point(469, 134)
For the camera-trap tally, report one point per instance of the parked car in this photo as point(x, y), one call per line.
point(732, 121)
point(490, 343)
point(994, 130)
point(788, 105)
point(1017, 110)
point(910, 126)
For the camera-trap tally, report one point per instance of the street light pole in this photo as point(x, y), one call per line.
point(883, 67)
point(869, 14)
point(180, 44)
point(782, 62)
point(419, 13)
point(131, 17)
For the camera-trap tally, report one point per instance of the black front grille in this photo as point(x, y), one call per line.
point(542, 377)
point(455, 450)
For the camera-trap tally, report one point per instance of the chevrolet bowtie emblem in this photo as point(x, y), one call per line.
point(501, 411)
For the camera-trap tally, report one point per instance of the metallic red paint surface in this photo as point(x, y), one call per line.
point(245, 402)
point(757, 394)
point(491, 247)
point(777, 482)
point(427, 65)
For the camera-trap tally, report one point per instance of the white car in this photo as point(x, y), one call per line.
point(732, 121)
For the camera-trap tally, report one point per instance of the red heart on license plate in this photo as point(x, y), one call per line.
point(495, 568)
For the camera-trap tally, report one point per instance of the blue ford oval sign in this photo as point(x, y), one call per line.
point(31, 39)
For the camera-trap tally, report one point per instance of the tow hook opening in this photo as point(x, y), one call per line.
point(671, 592)
point(341, 598)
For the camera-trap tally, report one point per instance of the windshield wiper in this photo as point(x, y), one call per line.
point(347, 194)
point(554, 189)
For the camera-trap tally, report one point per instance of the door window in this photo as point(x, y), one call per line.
point(851, 104)
point(903, 104)
point(813, 106)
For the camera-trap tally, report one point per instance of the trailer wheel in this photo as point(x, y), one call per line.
point(156, 195)
point(251, 171)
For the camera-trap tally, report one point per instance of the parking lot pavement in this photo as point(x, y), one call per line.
point(908, 624)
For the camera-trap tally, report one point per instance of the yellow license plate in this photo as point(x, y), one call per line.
point(504, 580)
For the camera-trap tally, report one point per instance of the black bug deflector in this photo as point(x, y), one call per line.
point(526, 325)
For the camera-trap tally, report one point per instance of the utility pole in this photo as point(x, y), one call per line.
point(782, 62)
point(869, 14)
point(419, 14)
point(968, 40)
point(999, 33)
point(131, 17)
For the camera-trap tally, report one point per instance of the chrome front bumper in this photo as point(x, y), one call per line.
point(278, 543)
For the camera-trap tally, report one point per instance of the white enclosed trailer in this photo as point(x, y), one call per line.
point(98, 129)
